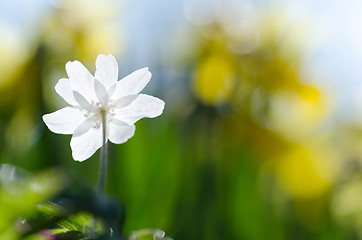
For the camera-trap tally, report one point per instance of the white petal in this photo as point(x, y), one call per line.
point(64, 89)
point(81, 79)
point(83, 103)
point(106, 70)
point(86, 140)
point(112, 89)
point(119, 122)
point(124, 101)
point(101, 93)
point(86, 125)
point(133, 83)
point(120, 132)
point(64, 121)
point(143, 106)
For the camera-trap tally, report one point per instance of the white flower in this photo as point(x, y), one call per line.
point(101, 99)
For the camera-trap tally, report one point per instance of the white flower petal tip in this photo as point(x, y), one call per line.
point(145, 69)
point(64, 89)
point(85, 143)
point(121, 133)
point(144, 106)
point(132, 83)
point(106, 70)
point(64, 121)
point(98, 102)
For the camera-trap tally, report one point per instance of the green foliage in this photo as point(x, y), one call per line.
point(57, 205)
point(149, 234)
point(19, 195)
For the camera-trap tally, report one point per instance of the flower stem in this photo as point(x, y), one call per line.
point(102, 168)
point(103, 163)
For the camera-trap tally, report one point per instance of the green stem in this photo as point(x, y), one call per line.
point(102, 168)
point(103, 163)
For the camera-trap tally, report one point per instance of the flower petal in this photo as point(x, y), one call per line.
point(133, 83)
point(86, 140)
point(81, 79)
point(143, 106)
point(101, 93)
point(64, 121)
point(83, 103)
point(120, 132)
point(64, 89)
point(106, 70)
point(124, 101)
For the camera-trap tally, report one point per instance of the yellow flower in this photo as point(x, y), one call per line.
point(214, 81)
point(305, 171)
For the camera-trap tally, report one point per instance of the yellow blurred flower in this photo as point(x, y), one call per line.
point(214, 80)
point(295, 114)
point(305, 171)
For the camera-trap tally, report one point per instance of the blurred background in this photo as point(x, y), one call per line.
point(261, 137)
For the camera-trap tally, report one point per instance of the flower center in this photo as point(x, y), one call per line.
point(103, 114)
point(103, 111)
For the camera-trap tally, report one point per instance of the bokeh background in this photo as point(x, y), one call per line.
point(261, 137)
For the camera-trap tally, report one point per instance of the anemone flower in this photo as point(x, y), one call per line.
point(101, 108)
